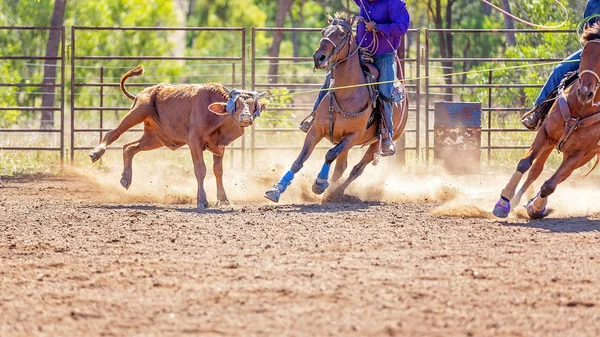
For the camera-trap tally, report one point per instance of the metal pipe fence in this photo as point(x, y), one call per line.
point(20, 101)
point(298, 79)
point(96, 103)
point(89, 77)
point(493, 130)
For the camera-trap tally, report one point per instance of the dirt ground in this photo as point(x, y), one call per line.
point(78, 261)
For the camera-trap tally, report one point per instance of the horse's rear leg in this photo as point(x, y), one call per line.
point(313, 137)
point(135, 116)
point(358, 169)
point(341, 163)
point(503, 205)
point(321, 183)
point(536, 207)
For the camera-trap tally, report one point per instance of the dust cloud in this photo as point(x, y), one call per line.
point(167, 178)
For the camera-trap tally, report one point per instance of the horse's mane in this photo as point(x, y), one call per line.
point(340, 16)
point(591, 33)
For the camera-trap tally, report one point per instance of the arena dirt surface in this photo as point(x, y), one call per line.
point(81, 258)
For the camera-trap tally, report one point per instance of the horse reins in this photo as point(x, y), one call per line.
point(571, 123)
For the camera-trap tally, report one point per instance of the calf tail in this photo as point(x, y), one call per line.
point(137, 71)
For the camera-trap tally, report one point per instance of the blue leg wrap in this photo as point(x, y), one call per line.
point(286, 180)
point(324, 174)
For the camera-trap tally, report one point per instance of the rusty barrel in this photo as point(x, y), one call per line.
point(457, 136)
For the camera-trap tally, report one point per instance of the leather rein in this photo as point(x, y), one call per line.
point(337, 48)
point(574, 123)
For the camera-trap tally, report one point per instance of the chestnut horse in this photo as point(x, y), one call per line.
point(572, 126)
point(343, 115)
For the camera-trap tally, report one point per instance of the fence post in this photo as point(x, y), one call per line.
point(72, 154)
point(427, 96)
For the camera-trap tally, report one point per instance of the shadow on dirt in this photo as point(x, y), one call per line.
point(560, 225)
point(324, 207)
point(151, 208)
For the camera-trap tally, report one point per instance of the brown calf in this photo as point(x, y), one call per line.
point(206, 117)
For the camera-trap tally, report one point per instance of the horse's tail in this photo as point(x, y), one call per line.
point(137, 71)
point(593, 167)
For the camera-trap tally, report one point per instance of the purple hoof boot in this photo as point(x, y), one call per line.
point(502, 208)
point(533, 214)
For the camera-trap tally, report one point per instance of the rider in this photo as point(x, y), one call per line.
point(386, 22)
point(531, 119)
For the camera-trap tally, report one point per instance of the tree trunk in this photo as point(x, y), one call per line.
point(509, 23)
point(54, 38)
point(284, 7)
point(297, 23)
point(446, 45)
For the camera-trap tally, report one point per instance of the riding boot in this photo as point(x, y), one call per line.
point(531, 119)
point(386, 130)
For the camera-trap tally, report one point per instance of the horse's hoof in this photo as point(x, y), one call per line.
point(202, 206)
point(126, 182)
point(273, 194)
point(502, 208)
point(319, 186)
point(533, 214)
point(222, 203)
point(96, 154)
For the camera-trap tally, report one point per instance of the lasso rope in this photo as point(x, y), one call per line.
point(427, 77)
point(564, 9)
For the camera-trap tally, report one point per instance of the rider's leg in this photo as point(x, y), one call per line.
point(308, 121)
point(571, 63)
point(387, 73)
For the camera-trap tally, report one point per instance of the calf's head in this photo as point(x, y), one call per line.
point(242, 106)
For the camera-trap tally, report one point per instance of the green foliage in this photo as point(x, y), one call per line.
point(279, 113)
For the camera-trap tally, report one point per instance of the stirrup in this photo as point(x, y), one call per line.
point(306, 123)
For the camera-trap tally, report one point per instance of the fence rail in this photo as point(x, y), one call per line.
point(29, 61)
point(96, 102)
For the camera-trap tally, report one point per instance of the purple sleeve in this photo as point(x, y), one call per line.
point(399, 17)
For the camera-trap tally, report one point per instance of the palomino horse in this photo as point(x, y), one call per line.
point(343, 115)
point(572, 126)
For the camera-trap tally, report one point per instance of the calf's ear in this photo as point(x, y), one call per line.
point(218, 108)
point(263, 106)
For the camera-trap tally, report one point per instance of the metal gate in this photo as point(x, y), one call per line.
point(296, 81)
point(499, 131)
point(24, 87)
point(95, 74)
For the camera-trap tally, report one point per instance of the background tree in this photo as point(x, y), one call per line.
point(47, 121)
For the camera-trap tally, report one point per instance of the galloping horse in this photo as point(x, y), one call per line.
point(572, 126)
point(343, 115)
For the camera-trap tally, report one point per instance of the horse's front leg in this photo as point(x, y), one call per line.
point(310, 142)
point(537, 151)
point(536, 207)
point(321, 183)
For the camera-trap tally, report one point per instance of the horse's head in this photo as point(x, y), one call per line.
point(335, 43)
point(589, 68)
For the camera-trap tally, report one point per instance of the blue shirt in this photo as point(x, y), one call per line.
point(392, 20)
point(592, 8)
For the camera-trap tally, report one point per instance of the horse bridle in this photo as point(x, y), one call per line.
point(337, 48)
point(595, 75)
